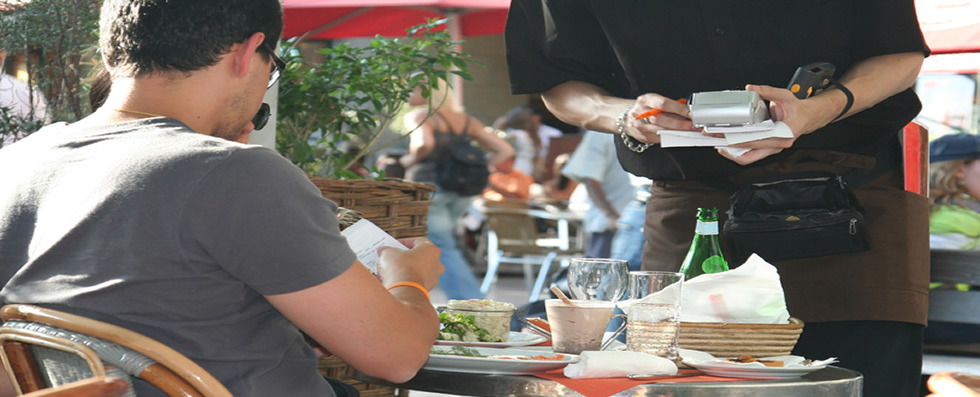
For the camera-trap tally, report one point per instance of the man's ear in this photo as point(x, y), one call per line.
point(243, 52)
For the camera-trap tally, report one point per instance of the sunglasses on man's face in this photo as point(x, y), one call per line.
point(262, 117)
point(278, 66)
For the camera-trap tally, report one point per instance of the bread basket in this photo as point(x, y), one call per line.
point(733, 340)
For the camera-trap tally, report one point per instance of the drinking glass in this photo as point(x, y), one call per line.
point(653, 313)
point(598, 279)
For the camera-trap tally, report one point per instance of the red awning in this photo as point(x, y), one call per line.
point(333, 19)
point(950, 26)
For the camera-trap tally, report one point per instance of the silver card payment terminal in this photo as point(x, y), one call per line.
point(727, 108)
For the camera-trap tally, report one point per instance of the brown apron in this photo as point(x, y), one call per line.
point(888, 283)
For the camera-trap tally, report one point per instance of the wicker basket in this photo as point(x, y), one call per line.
point(397, 206)
point(733, 340)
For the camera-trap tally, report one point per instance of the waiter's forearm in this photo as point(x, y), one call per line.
point(874, 80)
point(585, 105)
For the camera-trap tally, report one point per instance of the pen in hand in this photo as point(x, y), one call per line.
point(654, 112)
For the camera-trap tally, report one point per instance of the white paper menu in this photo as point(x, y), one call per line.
point(364, 237)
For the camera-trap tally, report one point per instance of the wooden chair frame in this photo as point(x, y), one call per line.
point(173, 373)
point(20, 364)
point(99, 386)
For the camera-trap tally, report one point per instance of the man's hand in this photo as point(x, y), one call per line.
point(420, 263)
point(671, 115)
point(802, 117)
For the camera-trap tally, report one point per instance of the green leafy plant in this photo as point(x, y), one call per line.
point(58, 39)
point(335, 113)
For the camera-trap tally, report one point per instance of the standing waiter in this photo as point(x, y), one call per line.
point(599, 64)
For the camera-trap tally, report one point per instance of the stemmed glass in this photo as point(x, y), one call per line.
point(598, 279)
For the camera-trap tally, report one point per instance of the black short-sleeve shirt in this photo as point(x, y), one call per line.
point(676, 48)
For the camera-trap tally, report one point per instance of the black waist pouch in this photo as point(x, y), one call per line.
point(794, 216)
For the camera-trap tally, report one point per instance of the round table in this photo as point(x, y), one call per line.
point(830, 381)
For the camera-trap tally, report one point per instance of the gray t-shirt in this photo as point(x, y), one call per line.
point(173, 234)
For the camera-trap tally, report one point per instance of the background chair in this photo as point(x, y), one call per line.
point(954, 266)
point(511, 235)
point(43, 348)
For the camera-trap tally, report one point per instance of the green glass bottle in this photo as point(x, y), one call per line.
point(705, 254)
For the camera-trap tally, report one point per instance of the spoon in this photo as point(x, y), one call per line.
point(561, 295)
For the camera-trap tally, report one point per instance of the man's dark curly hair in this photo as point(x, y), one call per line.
point(141, 37)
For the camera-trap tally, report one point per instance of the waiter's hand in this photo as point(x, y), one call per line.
point(801, 116)
point(673, 115)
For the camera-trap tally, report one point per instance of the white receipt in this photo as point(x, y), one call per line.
point(364, 237)
point(733, 136)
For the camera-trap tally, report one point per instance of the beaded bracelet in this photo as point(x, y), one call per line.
point(413, 285)
point(630, 143)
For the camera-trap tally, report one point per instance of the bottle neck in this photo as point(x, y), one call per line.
point(706, 228)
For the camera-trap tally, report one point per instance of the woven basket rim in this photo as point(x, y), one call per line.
point(371, 183)
point(794, 323)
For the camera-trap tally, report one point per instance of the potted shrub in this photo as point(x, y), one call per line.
point(334, 113)
point(57, 39)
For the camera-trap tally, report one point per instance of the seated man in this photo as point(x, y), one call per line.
point(148, 215)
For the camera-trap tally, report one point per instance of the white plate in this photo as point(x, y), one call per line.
point(496, 366)
point(734, 371)
point(793, 366)
point(513, 339)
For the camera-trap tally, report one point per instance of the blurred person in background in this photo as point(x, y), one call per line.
point(18, 104)
point(508, 183)
point(954, 220)
point(532, 138)
point(594, 165)
point(427, 146)
point(517, 123)
point(560, 187)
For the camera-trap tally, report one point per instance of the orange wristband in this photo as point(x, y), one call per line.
point(413, 285)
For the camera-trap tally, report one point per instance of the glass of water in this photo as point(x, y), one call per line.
point(598, 279)
point(654, 312)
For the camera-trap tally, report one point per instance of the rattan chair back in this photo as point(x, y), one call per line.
point(100, 386)
point(43, 348)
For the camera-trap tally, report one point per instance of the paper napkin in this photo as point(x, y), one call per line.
point(750, 293)
point(617, 364)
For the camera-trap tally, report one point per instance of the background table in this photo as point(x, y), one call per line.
point(830, 381)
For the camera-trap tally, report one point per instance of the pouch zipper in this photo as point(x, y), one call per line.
point(753, 224)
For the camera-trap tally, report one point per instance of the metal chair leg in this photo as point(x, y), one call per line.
point(493, 262)
point(542, 275)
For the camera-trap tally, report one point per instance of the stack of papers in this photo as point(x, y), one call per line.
point(732, 136)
